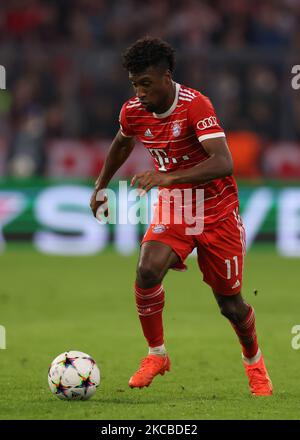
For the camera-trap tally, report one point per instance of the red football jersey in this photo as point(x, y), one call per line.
point(174, 141)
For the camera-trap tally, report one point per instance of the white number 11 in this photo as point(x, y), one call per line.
point(228, 264)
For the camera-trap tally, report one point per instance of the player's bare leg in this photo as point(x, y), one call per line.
point(154, 261)
point(242, 318)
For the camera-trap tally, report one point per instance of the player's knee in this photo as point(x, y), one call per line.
point(229, 313)
point(232, 312)
point(233, 308)
point(148, 273)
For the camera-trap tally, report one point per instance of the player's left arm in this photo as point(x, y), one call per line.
point(203, 120)
point(218, 164)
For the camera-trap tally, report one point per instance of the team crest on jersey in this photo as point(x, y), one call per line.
point(176, 129)
point(159, 229)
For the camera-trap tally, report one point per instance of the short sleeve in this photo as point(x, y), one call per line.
point(203, 119)
point(124, 127)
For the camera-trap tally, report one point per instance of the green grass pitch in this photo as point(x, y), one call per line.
point(52, 304)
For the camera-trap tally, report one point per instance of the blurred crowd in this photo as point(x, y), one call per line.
point(65, 83)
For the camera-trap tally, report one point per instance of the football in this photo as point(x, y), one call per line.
point(73, 375)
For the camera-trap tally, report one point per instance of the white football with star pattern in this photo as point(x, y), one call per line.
point(73, 375)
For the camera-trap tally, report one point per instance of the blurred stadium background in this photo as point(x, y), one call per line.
point(58, 114)
point(65, 87)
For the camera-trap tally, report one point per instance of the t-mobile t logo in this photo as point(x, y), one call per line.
point(161, 157)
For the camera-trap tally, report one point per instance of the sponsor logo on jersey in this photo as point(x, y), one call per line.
point(159, 229)
point(237, 284)
point(207, 123)
point(176, 129)
point(148, 133)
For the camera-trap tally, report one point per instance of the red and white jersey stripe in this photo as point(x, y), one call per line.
point(174, 141)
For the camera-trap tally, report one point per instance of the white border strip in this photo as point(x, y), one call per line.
point(211, 136)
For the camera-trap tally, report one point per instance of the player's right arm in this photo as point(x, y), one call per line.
point(118, 153)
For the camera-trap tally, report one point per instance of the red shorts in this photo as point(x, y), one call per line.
point(220, 250)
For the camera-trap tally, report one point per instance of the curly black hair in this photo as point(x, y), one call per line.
point(147, 52)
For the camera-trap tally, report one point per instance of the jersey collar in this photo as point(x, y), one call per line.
point(173, 106)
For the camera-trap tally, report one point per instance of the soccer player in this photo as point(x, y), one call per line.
point(179, 128)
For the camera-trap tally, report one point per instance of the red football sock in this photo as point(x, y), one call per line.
point(246, 333)
point(150, 304)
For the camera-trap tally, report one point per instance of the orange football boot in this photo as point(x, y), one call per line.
point(151, 366)
point(259, 381)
